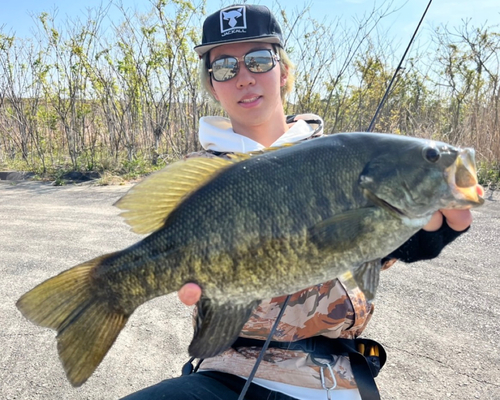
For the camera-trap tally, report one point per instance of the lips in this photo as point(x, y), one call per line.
point(250, 100)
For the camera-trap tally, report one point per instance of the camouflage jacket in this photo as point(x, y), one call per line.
point(327, 309)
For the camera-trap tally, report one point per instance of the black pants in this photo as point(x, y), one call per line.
point(205, 386)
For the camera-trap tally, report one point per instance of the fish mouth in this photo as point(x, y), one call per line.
point(462, 179)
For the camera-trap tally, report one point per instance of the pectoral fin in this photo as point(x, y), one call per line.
point(341, 230)
point(218, 326)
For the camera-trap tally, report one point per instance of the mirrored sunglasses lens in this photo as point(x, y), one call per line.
point(224, 69)
point(259, 61)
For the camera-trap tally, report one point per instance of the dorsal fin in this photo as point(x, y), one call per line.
point(244, 156)
point(239, 156)
point(148, 203)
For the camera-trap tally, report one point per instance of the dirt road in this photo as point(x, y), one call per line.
point(439, 320)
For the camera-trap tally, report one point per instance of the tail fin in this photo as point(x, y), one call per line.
point(86, 325)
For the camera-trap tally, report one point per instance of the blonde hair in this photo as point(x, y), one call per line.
point(286, 68)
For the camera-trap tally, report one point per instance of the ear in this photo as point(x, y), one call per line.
point(284, 76)
point(214, 93)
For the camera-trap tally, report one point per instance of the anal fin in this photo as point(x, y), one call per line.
point(367, 277)
point(218, 326)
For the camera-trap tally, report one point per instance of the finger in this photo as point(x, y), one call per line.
point(189, 294)
point(458, 220)
point(435, 222)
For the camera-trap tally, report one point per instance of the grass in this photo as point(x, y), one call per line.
point(111, 171)
point(489, 174)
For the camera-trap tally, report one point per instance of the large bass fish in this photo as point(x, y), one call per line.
point(252, 228)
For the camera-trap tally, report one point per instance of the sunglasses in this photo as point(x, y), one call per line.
point(257, 61)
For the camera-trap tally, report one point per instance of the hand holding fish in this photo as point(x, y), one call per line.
point(457, 220)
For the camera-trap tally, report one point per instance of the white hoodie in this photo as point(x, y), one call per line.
point(216, 134)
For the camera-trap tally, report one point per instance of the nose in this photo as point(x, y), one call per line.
point(244, 77)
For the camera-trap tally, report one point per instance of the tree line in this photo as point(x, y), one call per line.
point(91, 94)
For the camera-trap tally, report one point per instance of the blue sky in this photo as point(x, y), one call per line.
point(15, 15)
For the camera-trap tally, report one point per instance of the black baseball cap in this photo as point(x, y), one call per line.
point(239, 23)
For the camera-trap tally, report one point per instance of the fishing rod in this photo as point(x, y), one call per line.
point(275, 325)
point(372, 124)
point(263, 350)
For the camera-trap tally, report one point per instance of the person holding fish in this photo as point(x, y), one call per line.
point(284, 243)
point(246, 69)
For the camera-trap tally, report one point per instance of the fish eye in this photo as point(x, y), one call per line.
point(431, 154)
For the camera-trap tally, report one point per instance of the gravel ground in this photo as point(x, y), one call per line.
point(439, 321)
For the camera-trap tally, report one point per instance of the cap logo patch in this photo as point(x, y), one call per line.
point(233, 20)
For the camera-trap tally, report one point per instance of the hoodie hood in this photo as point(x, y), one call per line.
point(216, 134)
